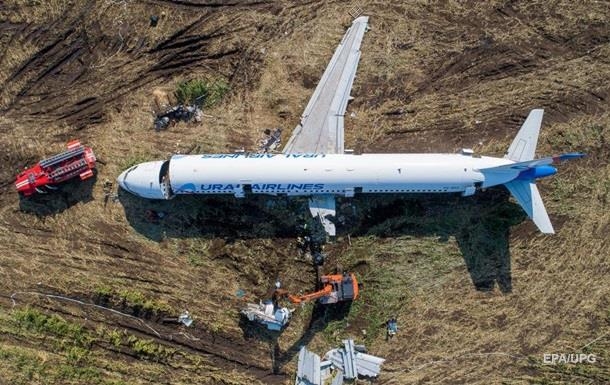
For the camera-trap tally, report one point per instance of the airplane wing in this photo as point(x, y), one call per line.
point(321, 126)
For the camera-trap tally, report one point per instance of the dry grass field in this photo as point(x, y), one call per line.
point(480, 295)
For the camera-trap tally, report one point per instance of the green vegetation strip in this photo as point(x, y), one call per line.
point(66, 352)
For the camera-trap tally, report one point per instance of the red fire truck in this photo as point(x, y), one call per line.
point(78, 160)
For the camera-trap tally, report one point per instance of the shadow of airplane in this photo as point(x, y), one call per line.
point(67, 195)
point(215, 216)
point(480, 223)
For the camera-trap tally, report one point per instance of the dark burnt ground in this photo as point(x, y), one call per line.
point(71, 75)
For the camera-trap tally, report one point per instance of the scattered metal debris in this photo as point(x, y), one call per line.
point(186, 318)
point(271, 141)
point(355, 10)
point(348, 362)
point(309, 370)
point(154, 20)
point(107, 188)
point(312, 250)
point(318, 258)
point(353, 362)
point(185, 113)
point(266, 313)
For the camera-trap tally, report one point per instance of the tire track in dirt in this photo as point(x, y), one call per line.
point(538, 58)
point(219, 350)
point(222, 350)
point(60, 80)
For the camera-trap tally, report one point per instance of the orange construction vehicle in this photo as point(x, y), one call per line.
point(337, 288)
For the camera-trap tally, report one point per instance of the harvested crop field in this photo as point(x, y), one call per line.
point(88, 285)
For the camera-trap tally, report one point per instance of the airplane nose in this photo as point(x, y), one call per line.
point(121, 180)
point(126, 181)
point(143, 180)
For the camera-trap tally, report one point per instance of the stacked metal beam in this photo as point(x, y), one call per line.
point(347, 362)
point(352, 363)
point(308, 372)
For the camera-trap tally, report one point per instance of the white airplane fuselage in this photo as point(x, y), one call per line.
point(311, 174)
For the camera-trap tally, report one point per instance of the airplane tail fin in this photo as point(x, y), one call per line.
point(523, 188)
point(524, 145)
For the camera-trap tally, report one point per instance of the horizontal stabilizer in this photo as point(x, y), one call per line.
point(527, 195)
point(519, 166)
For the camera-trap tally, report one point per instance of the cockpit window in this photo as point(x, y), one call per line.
point(164, 171)
point(128, 171)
